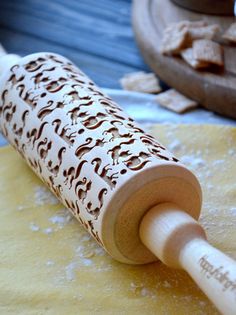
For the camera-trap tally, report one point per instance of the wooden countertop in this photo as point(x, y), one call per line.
point(96, 35)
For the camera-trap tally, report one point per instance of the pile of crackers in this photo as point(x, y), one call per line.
point(230, 34)
point(194, 42)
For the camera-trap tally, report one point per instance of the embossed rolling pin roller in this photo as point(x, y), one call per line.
point(136, 199)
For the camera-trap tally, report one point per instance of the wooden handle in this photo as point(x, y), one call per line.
point(213, 271)
point(179, 241)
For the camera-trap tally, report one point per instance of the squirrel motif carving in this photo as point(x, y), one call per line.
point(96, 210)
point(72, 173)
point(55, 169)
point(104, 171)
point(82, 188)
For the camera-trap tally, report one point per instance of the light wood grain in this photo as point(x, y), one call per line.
point(215, 90)
point(179, 241)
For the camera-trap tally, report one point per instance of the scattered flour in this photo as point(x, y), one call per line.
point(86, 237)
point(210, 186)
point(193, 161)
point(218, 162)
point(50, 263)
point(99, 251)
point(23, 207)
point(84, 252)
point(213, 211)
point(70, 271)
point(144, 292)
point(233, 211)
point(87, 262)
point(48, 230)
point(61, 218)
point(208, 174)
point(89, 250)
point(175, 145)
point(79, 250)
point(140, 289)
point(231, 152)
point(172, 129)
point(56, 219)
point(42, 196)
point(34, 227)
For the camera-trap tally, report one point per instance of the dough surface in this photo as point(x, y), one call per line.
point(50, 265)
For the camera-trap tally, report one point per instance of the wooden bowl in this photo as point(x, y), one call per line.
point(214, 89)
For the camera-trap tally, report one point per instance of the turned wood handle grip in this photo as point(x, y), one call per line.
point(213, 271)
point(179, 241)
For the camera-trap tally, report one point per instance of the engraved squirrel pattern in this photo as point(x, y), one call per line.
point(64, 131)
point(26, 96)
point(43, 148)
point(8, 111)
point(34, 134)
point(72, 173)
point(19, 130)
point(104, 171)
point(116, 152)
point(55, 169)
point(76, 138)
point(41, 77)
point(14, 79)
point(48, 109)
point(114, 132)
point(95, 210)
point(86, 147)
point(75, 112)
point(82, 187)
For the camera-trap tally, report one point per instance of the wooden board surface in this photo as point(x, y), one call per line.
point(214, 90)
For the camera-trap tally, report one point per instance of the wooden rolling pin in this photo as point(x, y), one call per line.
point(135, 198)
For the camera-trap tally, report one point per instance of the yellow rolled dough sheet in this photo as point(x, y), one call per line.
point(50, 264)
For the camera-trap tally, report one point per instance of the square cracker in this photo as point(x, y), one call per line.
point(187, 55)
point(189, 24)
point(230, 33)
point(177, 35)
point(206, 50)
point(141, 82)
point(175, 101)
point(203, 32)
point(175, 38)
